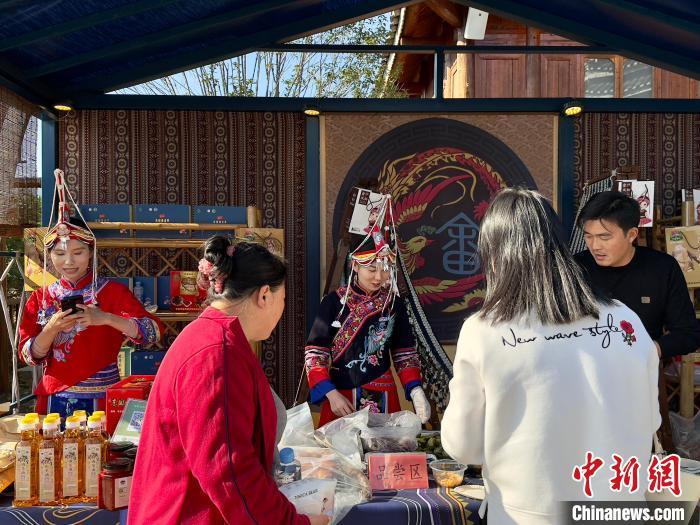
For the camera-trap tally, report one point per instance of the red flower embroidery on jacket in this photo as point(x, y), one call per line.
point(628, 337)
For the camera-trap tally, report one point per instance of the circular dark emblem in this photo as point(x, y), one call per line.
point(441, 174)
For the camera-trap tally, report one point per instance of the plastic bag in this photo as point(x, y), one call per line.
point(686, 435)
point(299, 430)
point(391, 432)
point(352, 487)
point(342, 435)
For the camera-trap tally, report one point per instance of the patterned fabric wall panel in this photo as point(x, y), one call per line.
point(204, 157)
point(666, 147)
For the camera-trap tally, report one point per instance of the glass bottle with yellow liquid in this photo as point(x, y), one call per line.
point(27, 465)
point(95, 457)
point(73, 462)
point(50, 464)
point(103, 420)
point(83, 422)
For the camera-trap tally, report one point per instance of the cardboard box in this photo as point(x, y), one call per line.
point(162, 213)
point(33, 260)
point(132, 387)
point(148, 284)
point(124, 361)
point(271, 238)
point(126, 281)
point(396, 471)
point(146, 362)
point(163, 292)
point(233, 215)
point(107, 213)
point(681, 244)
point(185, 294)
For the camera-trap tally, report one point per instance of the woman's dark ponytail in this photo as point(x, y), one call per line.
point(242, 268)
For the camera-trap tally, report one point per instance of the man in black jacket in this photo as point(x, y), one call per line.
point(648, 281)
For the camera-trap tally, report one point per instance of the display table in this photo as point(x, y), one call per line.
point(414, 507)
point(73, 515)
point(405, 507)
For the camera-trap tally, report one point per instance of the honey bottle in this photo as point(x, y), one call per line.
point(95, 457)
point(26, 465)
point(73, 462)
point(83, 422)
point(50, 464)
point(103, 420)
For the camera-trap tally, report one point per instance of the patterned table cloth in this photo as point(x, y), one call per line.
point(432, 506)
point(73, 515)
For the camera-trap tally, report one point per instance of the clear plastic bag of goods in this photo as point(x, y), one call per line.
point(686, 435)
point(352, 487)
point(299, 430)
point(395, 432)
point(342, 435)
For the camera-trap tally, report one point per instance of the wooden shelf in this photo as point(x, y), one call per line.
point(162, 226)
point(177, 316)
point(149, 243)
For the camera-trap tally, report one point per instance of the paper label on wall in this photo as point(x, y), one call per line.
point(122, 489)
point(23, 472)
point(366, 206)
point(47, 480)
point(93, 465)
point(70, 470)
point(643, 192)
point(696, 202)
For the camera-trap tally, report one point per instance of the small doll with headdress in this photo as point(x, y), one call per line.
point(74, 327)
point(644, 203)
point(361, 329)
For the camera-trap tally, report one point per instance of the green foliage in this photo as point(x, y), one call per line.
point(276, 74)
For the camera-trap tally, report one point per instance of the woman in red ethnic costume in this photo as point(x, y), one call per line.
point(78, 347)
point(360, 330)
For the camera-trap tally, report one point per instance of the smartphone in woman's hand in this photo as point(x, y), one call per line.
point(71, 302)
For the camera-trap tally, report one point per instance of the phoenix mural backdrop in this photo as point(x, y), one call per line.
point(442, 175)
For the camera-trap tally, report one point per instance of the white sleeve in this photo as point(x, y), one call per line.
point(462, 433)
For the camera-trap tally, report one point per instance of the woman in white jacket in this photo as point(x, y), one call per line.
point(547, 371)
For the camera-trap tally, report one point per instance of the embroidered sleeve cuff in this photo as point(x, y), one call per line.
point(317, 375)
point(148, 331)
point(409, 375)
point(318, 393)
point(26, 353)
point(410, 386)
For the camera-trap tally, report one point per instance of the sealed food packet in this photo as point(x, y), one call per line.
point(311, 496)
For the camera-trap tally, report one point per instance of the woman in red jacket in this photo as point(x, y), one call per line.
point(209, 436)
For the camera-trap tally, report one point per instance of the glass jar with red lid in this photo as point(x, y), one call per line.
point(115, 484)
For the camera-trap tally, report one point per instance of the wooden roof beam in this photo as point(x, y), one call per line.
point(447, 11)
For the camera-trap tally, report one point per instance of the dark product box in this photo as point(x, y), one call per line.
point(161, 214)
point(233, 215)
point(107, 213)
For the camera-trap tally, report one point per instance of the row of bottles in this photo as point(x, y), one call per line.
point(55, 468)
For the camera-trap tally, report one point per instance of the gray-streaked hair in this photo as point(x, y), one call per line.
point(529, 268)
